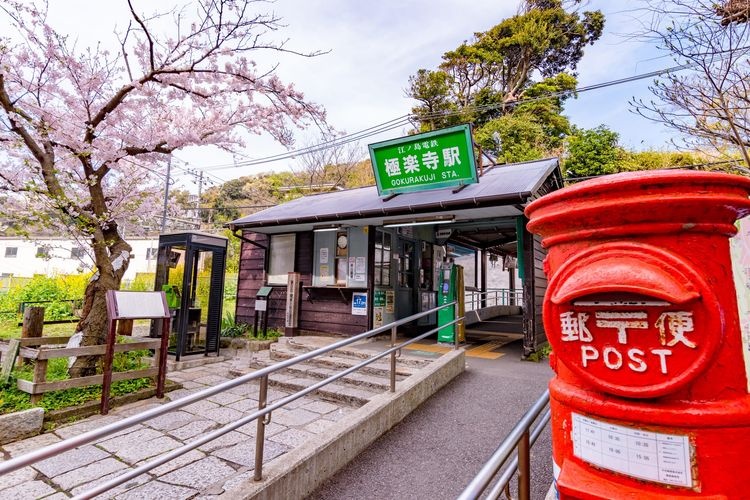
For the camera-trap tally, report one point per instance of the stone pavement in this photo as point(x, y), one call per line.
point(202, 473)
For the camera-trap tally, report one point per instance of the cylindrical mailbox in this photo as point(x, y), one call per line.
point(651, 396)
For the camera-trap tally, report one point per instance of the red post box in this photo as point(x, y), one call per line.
point(651, 396)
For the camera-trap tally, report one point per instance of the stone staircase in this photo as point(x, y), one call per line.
point(354, 390)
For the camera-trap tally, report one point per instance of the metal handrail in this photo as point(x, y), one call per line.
point(519, 437)
point(263, 410)
point(502, 296)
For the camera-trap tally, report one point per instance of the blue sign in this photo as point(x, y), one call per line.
point(359, 304)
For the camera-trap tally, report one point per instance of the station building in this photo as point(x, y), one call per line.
point(364, 260)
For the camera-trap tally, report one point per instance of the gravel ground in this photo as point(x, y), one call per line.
point(436, 451)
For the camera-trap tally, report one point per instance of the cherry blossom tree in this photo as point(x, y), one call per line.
point(83, 131)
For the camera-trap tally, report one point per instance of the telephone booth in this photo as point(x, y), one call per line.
point(190, 270)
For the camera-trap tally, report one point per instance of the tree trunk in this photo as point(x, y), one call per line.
point(112, 255)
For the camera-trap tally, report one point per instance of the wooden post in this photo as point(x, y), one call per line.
point(109, 355)
point(33, 325)
point(40, 376)
point(125, 327)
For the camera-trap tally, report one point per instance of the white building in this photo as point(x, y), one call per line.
point(24, 258)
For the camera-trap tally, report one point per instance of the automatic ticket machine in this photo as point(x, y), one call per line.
point(651, 397)
point(450, 289)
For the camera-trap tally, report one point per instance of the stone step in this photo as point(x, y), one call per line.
point(379, 368)
point(379, 381)
point(345, 352)
point(336, 392)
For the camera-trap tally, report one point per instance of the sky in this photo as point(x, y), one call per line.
point(371, 49)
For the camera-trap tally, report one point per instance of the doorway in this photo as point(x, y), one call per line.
point(406, 278)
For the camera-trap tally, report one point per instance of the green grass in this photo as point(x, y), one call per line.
point(12, 399)
point(11, 329)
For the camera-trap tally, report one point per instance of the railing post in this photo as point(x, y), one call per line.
point(455, 326)
point(260, 434)
point(524, 468)
point(393, 360)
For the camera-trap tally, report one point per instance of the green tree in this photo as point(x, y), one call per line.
point(491, 78)
point(592, 152)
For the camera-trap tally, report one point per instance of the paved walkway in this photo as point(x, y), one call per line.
point(202, 473)
point(436, 450)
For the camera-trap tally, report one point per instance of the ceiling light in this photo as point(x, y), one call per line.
point(420, 222)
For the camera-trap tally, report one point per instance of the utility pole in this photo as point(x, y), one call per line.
point(166, 195)
point(198, 203)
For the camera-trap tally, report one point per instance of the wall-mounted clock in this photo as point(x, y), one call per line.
point(341, 242)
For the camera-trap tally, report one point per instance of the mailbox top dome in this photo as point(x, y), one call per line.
point(631, 203)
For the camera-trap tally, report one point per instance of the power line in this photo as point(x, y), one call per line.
point(406, 119)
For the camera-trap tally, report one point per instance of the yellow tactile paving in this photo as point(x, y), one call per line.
point(428, 347)
point(482, 351)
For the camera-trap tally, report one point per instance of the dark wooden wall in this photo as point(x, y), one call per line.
point(322, 310)
point(534, 288)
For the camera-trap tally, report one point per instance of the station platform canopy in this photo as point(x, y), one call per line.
point(482, 215)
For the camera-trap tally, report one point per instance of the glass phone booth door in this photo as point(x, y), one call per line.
point(190, 270)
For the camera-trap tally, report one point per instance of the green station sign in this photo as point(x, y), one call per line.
point(433, 160)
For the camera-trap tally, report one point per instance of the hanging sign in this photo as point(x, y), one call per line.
point(433, 160)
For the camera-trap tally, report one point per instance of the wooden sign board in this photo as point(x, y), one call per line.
point(9, 360)
point(137, 305)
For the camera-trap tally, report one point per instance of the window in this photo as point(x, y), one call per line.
point(151, 253)
point(280, 258)
point(77, 253)
point(11, 252)
point(382, 258)
point(43, 252)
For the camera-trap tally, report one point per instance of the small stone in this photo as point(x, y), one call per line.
point(321, 407)
point(171, 420)
point(156, 489)
point(200, 407)
point(319, 426)
point(193, 429)
point(225, 398)
point(246, 405)
point(24, 491)
point(91, 423)
point(136, 451)
point(69, 460)
point(224, 441)
point(17, 477)
point(115, 444)
point(244, 453)
point(30, 444)
point(292, 437)
point(210, 380)
point(223, 415)
point(178, 462)
point(295, 417)
point(88, 473)
point(20, 424)
point(112, 492)
point(200, 474)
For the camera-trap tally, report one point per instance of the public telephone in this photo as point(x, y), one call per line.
point(446, 295)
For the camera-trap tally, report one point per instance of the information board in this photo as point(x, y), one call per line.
point(653, 456)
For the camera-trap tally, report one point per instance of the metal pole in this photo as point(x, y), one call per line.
point(166, 195)
point(393, 360)
point(524, 468)
point(260, 434)
point(455, 327)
